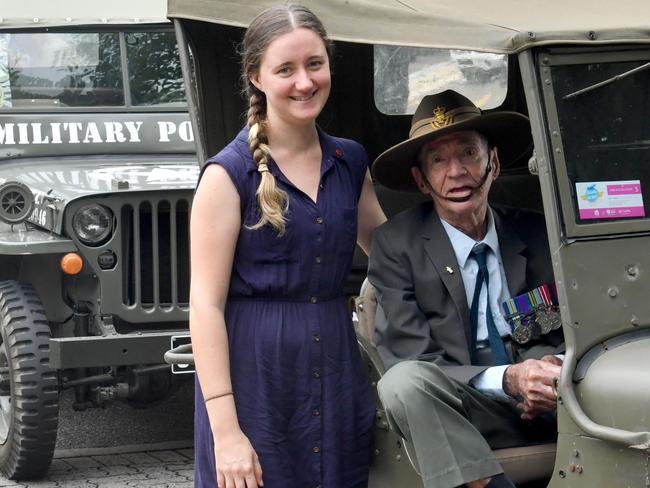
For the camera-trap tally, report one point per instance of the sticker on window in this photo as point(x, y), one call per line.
point(610, 199)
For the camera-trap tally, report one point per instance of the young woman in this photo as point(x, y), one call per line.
point(281, 398)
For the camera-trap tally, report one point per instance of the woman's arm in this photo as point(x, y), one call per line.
point(214, 228)
point(370, 214)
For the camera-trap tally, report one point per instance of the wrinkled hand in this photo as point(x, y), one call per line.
point(532, 382)
point(237, 463)
point(549, 358)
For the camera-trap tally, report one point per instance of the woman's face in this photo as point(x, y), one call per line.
point(294, 75)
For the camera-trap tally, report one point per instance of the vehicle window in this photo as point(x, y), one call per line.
point(155, 76)
point(404, 75)
point(605, 138)
point(48, 70)
point(5, 87)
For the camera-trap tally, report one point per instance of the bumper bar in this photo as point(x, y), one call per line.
point(118, 350)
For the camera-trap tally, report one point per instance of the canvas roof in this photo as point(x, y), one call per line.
point(504, 26)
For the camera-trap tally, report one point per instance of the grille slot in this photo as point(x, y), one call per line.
point(155, 254)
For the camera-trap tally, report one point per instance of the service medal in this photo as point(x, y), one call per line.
point(544, 320)
point(521, 332)
point(555, 318)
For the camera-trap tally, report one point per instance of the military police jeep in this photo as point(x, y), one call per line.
point(97, 169)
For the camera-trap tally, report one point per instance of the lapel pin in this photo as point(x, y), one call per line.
point(449, 270)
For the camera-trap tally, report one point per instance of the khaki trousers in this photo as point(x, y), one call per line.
point(452, 426)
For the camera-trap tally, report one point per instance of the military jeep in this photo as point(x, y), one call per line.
point(97, 171)
point(581, 71)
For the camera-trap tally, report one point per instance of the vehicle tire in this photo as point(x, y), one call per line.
point(29, 396)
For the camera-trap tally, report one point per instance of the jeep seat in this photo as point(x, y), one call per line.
point(393, 464)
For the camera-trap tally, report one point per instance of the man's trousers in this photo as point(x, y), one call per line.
point(451, 426)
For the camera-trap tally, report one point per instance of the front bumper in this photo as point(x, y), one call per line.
point(113, 350)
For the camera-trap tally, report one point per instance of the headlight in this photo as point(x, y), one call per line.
point(93, 224)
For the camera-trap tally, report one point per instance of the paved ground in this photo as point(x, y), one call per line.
point(123, 445)
point(122, 424)
point(151, 469)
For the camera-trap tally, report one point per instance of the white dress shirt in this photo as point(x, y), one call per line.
point(491, 380)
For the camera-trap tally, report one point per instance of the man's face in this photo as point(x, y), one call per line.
point(454, 171)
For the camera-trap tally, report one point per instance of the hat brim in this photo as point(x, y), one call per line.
point(508, 131)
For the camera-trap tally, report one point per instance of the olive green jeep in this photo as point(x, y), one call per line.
point(97, 172)
point(580, 72)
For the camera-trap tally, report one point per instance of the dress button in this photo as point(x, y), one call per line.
point(318, 259)
point(313, 299)
point(319, 220)
point(321, 186)
point(316, 449)
point(316, 374)
point(316, 338)
point(316, 412)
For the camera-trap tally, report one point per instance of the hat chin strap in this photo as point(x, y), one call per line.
point(484, 179)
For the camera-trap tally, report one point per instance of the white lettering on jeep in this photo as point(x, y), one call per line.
point(24, 133)
point(114, 132)
point(92, 134)
point(185, 131)
point(7, 134)
point(167, 128)
point(134, 129)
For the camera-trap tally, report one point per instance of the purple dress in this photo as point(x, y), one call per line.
point(301, 395)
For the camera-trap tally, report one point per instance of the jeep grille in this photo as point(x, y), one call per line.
point(155, 254)
point(149, 280)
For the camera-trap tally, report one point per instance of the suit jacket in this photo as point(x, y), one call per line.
point(422, 310)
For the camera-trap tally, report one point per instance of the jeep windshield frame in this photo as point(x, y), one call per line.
point(134, 88)
point(602, 174)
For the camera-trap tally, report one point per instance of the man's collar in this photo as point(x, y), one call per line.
point(463, 244)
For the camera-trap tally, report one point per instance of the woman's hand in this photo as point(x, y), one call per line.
point(237, 463)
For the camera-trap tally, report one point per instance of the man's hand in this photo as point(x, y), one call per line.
point(549, 358)
point(532, 382)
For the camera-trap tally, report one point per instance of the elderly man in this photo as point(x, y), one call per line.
point(459, 385)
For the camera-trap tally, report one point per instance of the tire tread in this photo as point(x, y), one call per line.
point(27, 452)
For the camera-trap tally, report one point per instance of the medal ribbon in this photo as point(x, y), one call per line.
point(527, 302)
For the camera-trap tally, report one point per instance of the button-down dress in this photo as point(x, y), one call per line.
point(301, 395)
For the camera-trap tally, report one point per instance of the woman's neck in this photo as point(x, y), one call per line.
point(290, 137)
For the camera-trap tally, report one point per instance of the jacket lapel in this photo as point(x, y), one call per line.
point(440, 252)
point(513, 256)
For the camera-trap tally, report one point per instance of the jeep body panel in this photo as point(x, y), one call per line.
point(57, 181)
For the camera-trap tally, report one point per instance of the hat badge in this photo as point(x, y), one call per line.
point(440, 119)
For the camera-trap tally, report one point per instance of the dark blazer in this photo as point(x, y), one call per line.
point(422, 310)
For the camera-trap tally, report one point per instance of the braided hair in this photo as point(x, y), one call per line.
point(268, 25)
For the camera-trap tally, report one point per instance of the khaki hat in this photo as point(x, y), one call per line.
point(444, 113)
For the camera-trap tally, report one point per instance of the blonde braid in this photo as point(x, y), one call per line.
point(273, 201)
